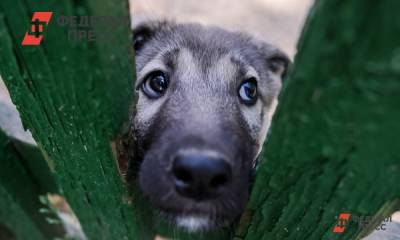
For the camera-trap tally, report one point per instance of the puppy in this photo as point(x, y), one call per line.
point(205, 98)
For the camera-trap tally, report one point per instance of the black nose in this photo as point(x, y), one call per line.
point(199, 176)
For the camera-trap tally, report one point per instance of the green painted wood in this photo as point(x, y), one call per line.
point(74, 96)
point(11, 217)
point(20, 190)
point(333, 146)
point(25, 147)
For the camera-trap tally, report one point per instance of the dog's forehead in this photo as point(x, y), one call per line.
point(203, 40)
point(206, 44)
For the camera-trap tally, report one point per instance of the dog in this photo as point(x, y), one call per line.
point(205, 99)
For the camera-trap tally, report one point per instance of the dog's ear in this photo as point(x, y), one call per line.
point(277, 61)
point(145, 30)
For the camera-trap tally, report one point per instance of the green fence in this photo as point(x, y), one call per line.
point(333, 146)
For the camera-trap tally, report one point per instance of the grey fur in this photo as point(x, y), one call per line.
point(206, 66)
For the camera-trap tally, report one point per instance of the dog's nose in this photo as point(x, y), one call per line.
point(199, 176)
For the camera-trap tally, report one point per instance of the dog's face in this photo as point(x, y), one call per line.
point(205, 100)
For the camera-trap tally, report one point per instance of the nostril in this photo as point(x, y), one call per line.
point(183, 175)
point(200, 176)
point(218, 181)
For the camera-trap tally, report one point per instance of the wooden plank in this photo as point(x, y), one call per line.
point(334, 143)
point(75, 96)
point(20, 190)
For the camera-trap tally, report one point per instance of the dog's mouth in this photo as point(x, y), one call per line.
point(194, 222)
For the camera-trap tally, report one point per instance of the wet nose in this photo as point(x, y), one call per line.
point(199, 176)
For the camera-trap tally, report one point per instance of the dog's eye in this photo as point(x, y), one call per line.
point(248, 91)
point(155, 84)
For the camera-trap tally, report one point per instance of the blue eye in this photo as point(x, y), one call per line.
point(248, 91)
point(155, 84)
